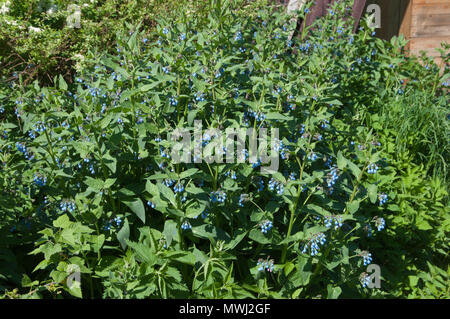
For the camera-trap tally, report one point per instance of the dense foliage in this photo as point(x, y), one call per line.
point(88, 180)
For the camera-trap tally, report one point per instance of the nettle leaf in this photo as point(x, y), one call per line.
point(143, 253)
point(95, 184)
point(62, 222)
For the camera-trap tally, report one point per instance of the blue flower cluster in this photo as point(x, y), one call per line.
point(186, 225)
point(259, 116)
point(380, 223)
point(265, 265)
point(67, 206)
point(238, 36)
point(336, 219)
point(173, 101)
point(383, 198)
point(40, 180)
point(118, 220)
point(276, 185)
point(178, 188)
point(312, 156)
point(163, 152)
point(266, 225)
point(313, 244)
point(199, 97)
point(231, 174)
point(218, 196)
point(151, 204)
point(367, 257)
point(242, 199)
point(364, 279)
point(23, 149)
point(332, 177)
point(168, 182)
point(372, 168)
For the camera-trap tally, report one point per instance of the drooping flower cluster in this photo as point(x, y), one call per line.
point(218, 196)
point(379, 223)
point(264, 264)
point(67, 206)
point(383, 198)
point(276, 185)
point(314, 244)
point(186, 225)
point(40, 180)
point(364, 278)
point(372, 168)
point(336, 219)
point(266, 225)
point(367, 257)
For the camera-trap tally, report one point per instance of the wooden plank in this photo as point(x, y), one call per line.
point(436, 8)
point(430, 19)
point(429, 1)
point(430, 31)
point(427, 44)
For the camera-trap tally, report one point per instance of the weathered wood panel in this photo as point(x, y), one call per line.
point(426, 24)
point(428, 44)
point(429, 31)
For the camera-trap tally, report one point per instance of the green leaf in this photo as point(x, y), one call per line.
point(143, 252)
point(353, 206)
point(333, 292)
point(341, 161)
point(124, 234)
point(137, 207)
point(62, 222)
point(372, 192)
point(188, 173)
point(62, 83)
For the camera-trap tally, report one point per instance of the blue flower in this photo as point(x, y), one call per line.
point(218, 196)
point(266, 225)
point(372, 168)
point(186, 225)
point(367, 257)
point(364, 278)
point(383, 198)
point(179, 188)
point(314, 244)
point(265, 265)
point(380, 223)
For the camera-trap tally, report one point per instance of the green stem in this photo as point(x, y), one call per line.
point(294, 208)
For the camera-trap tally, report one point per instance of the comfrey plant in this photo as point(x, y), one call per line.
point(102, 147)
